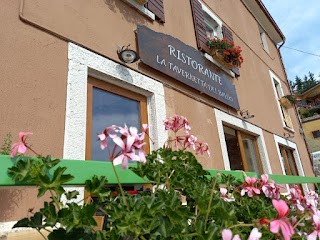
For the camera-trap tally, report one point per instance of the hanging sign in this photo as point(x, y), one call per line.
point(185, 64)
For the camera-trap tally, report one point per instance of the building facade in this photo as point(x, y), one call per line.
point(309, 109)
point(62, 79)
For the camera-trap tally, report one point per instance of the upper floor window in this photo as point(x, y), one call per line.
point(212, 23)
point(263, 37)
point(284, 112)
point(152, 9)
point(207, 24)
point(316, 134)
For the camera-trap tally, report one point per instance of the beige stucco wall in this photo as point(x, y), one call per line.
point(309, 127)
point(34, 67)
point(33, 70)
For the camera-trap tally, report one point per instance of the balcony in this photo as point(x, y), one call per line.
point(309, 109)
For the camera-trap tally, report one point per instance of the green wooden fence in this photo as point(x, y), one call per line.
point(83, 170)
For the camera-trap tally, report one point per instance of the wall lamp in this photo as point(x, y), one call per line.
point(127, 55)
point(245, 114)
point(288, 135)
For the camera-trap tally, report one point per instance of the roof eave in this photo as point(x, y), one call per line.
point(262, 15)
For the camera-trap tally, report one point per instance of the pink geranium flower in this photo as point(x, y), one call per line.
point(139, 144)
point(281, 222)
point(176, 123)
point(186, 141)
point(227, 235)
point(20, 147)
point(316, 221)
point(255, 234)
point(202, 148)
point(127, 152)
point(269, 188)
point(103, 137)
point(296, 198)
point(127, 141)
point(248, 187)
point(311, 201)
point(224, 196)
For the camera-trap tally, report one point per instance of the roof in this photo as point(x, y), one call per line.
point(312, 92)
point(266, 21)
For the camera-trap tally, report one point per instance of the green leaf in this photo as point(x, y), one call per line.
point(50, 214)
point(97, 187)
point(20, 171)
point(33, 222)
point(72, 195)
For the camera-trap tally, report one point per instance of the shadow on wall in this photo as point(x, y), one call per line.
point(15, 202)
point(128, 13)
point(10, 200)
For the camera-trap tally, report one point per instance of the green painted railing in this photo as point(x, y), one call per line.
point(83, 170)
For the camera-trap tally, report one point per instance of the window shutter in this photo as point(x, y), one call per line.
point(287, 118)
point(227, 34)
point(156, 6)
point(199, 26)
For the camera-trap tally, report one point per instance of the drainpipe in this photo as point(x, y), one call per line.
point(295, 108)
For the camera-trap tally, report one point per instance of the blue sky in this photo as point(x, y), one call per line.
point(299, 20)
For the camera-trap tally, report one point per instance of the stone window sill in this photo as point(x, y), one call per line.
point(141, 9)
point(228, 71)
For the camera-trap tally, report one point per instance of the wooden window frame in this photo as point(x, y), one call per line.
point(286, 164)
point(240, 136)
point(263, 38)
point(284, 112)
point(92, 82)
point(286, 160)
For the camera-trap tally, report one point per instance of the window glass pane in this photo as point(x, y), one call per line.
point(251, 154)
point(233, 149)
point(288, 161)
point(212, 27)
point(111, 109)
point(291, 162)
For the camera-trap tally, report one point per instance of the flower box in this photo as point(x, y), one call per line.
point(285, 102)
point(225, 52)
point(216, 55)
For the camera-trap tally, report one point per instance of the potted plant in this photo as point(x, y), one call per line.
point(225, 52)
point(214, 205)
point(288, 101)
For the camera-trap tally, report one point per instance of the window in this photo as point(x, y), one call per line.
point(152, 9)
point(316, 134)
point(263, 37)
point(284, 112)
point(289, 158)
point(288, 161)
point(212, 23)
point(242, 144)
point(83, 63)
point(207, 24)
point(243, 151)
point(111, 105)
